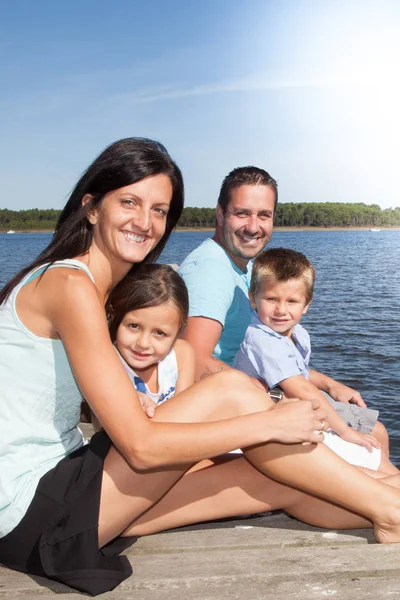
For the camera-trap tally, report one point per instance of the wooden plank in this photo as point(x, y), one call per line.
point(270, 557)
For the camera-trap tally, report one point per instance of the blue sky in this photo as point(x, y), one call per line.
point(308, 90)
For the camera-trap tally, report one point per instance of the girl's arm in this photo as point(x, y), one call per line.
point(186, 359)
point(75, 309)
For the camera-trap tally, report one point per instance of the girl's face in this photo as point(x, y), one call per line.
point(146, 335)
point(131, 220)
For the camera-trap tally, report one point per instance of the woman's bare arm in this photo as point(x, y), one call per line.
point(76, 312)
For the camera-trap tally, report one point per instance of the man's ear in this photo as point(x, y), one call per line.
point(219, 213)
point(252, 301)
point(91, 215)
point(305, 309)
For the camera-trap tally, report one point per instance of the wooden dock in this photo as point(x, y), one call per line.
point(264, 557)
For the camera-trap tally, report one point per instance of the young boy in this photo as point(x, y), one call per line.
point(276, 348)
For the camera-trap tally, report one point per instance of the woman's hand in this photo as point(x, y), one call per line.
point(298, 421)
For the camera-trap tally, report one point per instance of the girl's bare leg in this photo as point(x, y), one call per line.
point(314, 469)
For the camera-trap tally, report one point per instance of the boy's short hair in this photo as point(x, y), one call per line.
point(282, 264)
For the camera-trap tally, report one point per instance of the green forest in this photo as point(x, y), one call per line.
point(305, 214)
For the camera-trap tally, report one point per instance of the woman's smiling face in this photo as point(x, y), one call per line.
point(130, 221)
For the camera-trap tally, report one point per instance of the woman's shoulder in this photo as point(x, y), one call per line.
point(67, 293)
point(60, 281)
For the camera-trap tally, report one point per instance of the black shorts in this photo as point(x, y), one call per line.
point(58, 538)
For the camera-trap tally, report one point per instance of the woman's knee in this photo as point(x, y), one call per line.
point(241, 390)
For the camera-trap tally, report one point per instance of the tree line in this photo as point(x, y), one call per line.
point(290, 214)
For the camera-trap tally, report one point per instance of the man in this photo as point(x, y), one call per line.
point(218, 272)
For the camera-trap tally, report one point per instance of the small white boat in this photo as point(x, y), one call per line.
point(10, 231)
point(374, 229)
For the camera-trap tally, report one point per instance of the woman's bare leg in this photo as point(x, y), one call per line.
point(380, 433)
point(318, 471)
point(387, 466)
point(228, 486)
point(314, 469)
point(125, 493)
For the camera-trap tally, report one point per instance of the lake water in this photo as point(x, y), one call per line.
point(354, 319)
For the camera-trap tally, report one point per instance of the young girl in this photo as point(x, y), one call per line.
point(147, 312)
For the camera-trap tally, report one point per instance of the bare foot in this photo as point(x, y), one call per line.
point(388, 530)
point(387, 534)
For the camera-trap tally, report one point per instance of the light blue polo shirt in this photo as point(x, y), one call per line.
point(272, 357)
point(218, 290)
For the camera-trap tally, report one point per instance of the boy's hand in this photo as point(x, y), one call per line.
point(362, 439)
point(346, 394)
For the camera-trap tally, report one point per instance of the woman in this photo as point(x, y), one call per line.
point(65, 506)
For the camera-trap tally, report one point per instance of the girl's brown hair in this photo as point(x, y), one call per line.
point(149, 285)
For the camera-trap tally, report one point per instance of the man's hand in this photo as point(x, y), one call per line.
point(361, 439)
point(147, 404)
point(345, 394)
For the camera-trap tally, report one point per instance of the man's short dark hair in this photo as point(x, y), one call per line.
point(245, 176)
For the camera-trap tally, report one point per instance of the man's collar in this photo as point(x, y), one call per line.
point(234, 265)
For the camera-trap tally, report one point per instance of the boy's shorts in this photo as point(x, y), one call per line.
point(361, 419)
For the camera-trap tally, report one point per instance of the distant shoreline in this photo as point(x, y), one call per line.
point(205, 229)
point(302, 228)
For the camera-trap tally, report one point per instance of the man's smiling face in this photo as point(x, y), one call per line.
point(246, 226)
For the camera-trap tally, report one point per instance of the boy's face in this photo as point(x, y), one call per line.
point(280, 306)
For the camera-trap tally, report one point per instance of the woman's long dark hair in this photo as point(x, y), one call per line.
point(125, 162)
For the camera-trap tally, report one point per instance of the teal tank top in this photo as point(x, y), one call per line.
point(39, 407)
